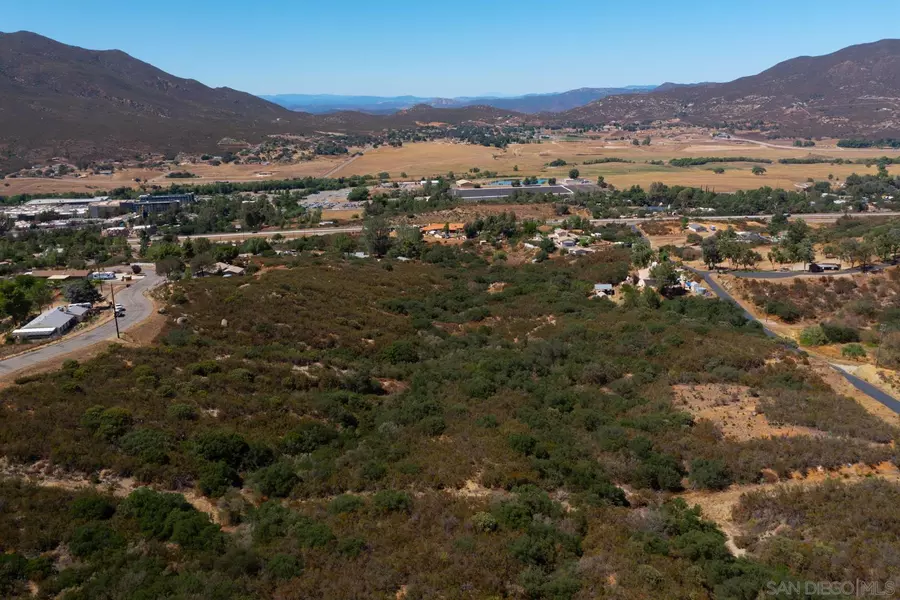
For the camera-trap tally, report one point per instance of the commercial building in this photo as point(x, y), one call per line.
point(144, 205)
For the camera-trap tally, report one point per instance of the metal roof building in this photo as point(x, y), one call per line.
point(52, 323)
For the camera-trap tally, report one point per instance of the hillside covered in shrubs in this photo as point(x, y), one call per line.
point(336, 428)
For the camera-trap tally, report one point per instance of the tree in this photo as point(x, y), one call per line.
point(358, 194)
point(778, 223)
point(776, 255)
point(253, 219)
point(81, 291)
point(169, 267)
point(748, 257)
point(202, 263)
point(885, 244)
point(641, 254)
point(710, 250)
point(377, 236)
point(646, 141)
point(14, 302)
point(758, 170)
point(665, 275)
point(574, 173)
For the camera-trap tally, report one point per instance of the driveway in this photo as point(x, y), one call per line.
point(137, 308)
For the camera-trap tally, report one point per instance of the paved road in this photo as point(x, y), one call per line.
point(788, 274)
point(863, 386)
point(287, 233)
point(809, 217)
point(137, 308)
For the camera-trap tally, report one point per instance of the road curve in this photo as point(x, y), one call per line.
point(137, 308)
point(863, 386)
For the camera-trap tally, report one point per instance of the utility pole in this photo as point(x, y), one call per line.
point(115, 312)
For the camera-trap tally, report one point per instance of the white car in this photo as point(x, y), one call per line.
point(119, 308)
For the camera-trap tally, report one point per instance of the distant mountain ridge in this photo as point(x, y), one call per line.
point(528, 103)
point(60, 100)
point(63, 101)
point(852, 92)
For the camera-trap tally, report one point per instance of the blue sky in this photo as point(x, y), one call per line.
point(465, 47)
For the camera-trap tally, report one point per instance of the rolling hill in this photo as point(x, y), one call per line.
point(60, 100)
point(854, 91)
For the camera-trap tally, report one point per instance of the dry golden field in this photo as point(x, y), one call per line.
point(440, 157)
point(433, 158)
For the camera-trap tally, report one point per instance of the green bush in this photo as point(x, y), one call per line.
point(837, 333)
point(484, 522)
point(433, 425)
point(401, 352)
point(225, 446)
point(854, 351)
point(107, 423)
point(149, 445)
point(488, 422)
point(813, 336)
point(311, 533)
point(276, 480)
point(351, 546)
point(182, 412)
point(345, 503)
point(93, 538)
point(392, 501)
point(307, 437)
point(217, 478)
point(92, 507)
point(284, 566)
point(709, 474)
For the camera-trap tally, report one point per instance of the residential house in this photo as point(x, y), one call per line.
point(439, 229)
point(226, 270)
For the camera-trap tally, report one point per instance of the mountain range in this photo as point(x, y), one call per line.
point(852, 92)
point(60, 100)
point(528, 103)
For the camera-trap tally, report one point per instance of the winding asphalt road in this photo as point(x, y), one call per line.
point(137, 308)
point(863, 386)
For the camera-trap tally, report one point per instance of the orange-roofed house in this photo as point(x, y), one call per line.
point(440, 229)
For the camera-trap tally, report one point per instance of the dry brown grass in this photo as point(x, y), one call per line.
point(439, 157)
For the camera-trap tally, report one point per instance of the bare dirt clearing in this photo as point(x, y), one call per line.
point(732, 408)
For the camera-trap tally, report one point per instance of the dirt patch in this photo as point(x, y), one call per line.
point(732, 408)
point(393, 386)
point(718, 506)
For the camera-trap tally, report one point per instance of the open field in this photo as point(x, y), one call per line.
point(427, 159)
point(205, 174)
